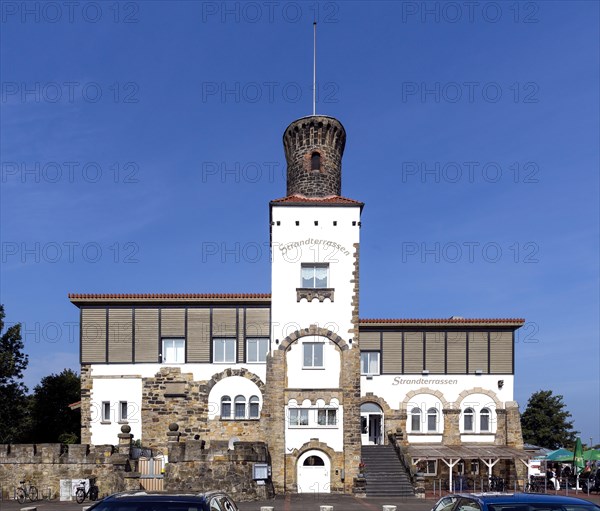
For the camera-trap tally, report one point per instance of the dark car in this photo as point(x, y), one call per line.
point(512, 502)
point(147, 501)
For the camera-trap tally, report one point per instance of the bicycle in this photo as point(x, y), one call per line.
point(534, 486)
point(26, 492)
point(81, 494)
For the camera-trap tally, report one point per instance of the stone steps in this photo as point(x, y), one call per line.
point(384, 473)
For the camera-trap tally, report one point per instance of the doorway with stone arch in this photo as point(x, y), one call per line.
point(371, 424)
point(314, 472)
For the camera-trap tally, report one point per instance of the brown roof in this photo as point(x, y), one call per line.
point(442, 320)
point(318, 201)
point(176, 297)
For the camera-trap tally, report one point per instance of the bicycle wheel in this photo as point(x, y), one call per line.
point(20, 495)
point(33, 493)
point(80, 495)
point(94, 493)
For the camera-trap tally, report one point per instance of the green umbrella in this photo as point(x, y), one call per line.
point(562, 455)
point(591, 455)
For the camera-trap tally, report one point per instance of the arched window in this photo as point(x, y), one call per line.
point(415, 420)
point(225, 407)
point(315, 161)
point(253, 407)
point(314, 461)
point(432, 420)
point(240, 407)
point(468, 419)
point(484, 419)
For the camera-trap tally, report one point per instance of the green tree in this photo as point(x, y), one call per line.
point(545, 421)
point(13, 399)
point(51, 418)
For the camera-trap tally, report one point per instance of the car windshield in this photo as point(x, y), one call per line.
point(543, 507)
point(149, 506)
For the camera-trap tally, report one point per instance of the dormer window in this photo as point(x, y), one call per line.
point(315, 162)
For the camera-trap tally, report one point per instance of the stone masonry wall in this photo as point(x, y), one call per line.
point(192, 468)
point(44, 465)
point(86, 392)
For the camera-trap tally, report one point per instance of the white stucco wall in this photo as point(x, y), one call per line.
point(297, 436)
point(289, 315)
point(115, 390)
point(327, 377)
point(232, 387)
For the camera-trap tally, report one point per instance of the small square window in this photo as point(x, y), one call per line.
point(313, 354)
point(315, 275)
point(105, 411)
point(257, 349)
point(327, 417)
point(298, 416)
point(173, 351)
point(224, 351)
point(369, 362)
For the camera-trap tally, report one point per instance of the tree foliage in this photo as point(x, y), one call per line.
point(545, 421)
point(13, 399)
point(51, 418)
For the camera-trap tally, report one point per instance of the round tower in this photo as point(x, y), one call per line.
point(314, 147)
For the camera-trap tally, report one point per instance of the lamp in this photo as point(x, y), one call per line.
point(425, 372)
point(478, 372)
point(500, 384)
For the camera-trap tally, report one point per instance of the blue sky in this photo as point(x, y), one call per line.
point(141, 143)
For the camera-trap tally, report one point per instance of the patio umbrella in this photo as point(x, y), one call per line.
point(562, 455)
point(591, 455)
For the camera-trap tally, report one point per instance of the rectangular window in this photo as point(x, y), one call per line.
point(298, 416)
point(315, 275)
point(257, 349)
point(369, 362)
point(431, 468)
point(173, 351)
point(240, 407)
point(105, 411)
point(122, 411)
point(224, 351)
point(327, 417)
point(313, 354)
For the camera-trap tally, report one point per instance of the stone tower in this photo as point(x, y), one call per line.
point(313, 149)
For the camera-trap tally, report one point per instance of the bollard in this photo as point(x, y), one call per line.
point(31, 508)
point(266, 508)
point(389, 508)
point(326, 508)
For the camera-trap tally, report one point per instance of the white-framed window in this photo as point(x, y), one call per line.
point(298, 416)
point(432, 420)
point(123, 411)
point(313, 354)
point(105, 411)
point(468, 419)
point(484, 419)
point(240, 407)
point(427, 467)
point(253, 407)
point(225, 407)
point(327, 417)
point(224, 350)
point(173, 351)
point(369, 362)
point(257, 349)
point(474, 467)
point(415, 420)
point(315, 275)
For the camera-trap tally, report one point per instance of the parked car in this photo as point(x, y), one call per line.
point(148, 501)
point(512, 502)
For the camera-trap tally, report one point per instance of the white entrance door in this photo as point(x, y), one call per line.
point(371, 424)
point(314, 468)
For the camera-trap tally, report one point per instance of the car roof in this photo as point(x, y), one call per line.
point(505, 498)
point(145, 496)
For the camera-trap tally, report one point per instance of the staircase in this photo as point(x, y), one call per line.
point(384, 472)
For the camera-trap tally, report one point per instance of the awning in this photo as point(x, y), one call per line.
point(466, 451)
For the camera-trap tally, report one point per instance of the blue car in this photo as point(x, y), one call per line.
point(512, 502)
point(146, 501)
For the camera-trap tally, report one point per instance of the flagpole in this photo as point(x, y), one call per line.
point(314, 68)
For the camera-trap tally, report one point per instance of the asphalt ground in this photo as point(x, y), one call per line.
point(295, 502)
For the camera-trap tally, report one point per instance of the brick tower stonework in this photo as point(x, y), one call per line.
point(313, 149)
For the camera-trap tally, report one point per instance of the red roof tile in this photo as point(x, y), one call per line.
point(333, 199)
point(161, 296)
point(440, 320)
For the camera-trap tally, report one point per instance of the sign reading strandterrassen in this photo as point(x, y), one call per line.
point(295, 247)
